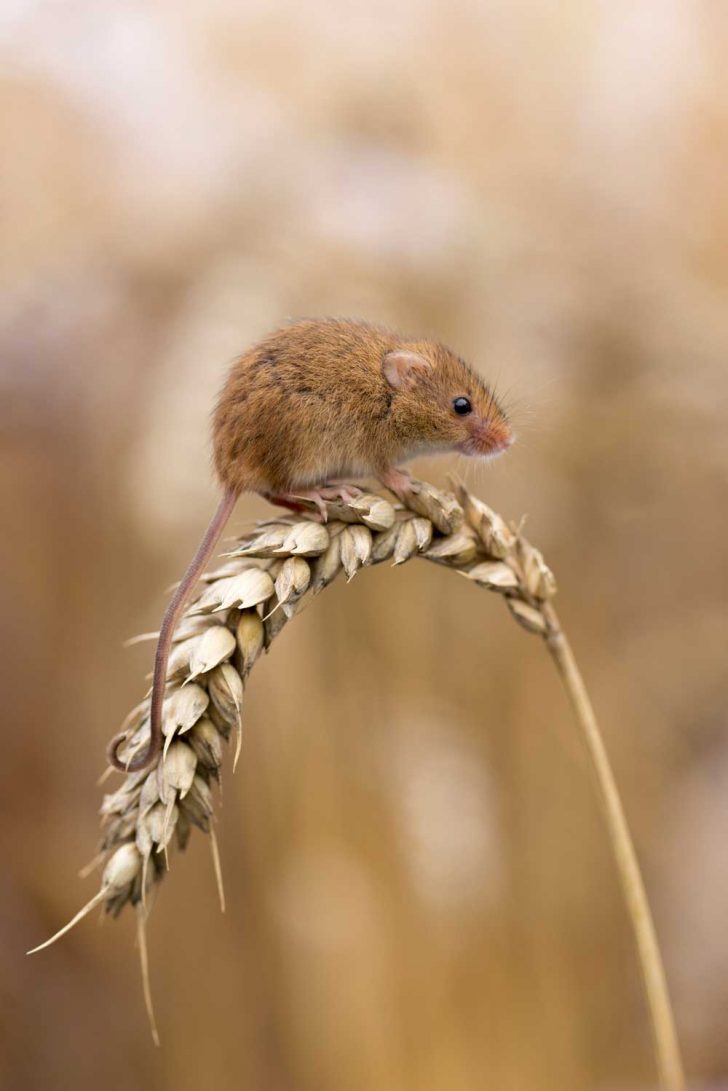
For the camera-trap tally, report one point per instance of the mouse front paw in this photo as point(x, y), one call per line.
point(399, 482)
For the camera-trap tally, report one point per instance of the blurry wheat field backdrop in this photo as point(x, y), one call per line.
point(420, 893)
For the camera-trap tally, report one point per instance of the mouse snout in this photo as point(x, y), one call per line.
point(489, 437)
point(500, 435)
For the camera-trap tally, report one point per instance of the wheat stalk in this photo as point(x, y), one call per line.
point(269, 577)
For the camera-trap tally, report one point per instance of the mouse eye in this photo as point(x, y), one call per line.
point(462, 406)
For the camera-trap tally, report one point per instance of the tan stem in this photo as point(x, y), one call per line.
point(667, 1050)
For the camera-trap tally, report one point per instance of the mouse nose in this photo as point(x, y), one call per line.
point(498, 436)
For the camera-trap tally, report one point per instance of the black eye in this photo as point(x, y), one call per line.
point(462, 406)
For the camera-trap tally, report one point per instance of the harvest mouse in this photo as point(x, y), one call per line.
point(316, 402)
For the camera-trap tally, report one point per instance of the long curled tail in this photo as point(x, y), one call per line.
point(164, 644)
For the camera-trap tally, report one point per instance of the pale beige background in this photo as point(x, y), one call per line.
point(420, 893)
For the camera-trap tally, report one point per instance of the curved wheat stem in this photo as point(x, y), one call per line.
point(667, 1051)
point(271, 575)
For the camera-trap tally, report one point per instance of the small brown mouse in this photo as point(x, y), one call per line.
point(316, 402)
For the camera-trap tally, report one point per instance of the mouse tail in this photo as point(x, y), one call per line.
point(164, 644)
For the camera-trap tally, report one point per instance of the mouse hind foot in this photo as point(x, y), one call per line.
point(298, 501)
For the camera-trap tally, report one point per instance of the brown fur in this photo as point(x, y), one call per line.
point(310, 404)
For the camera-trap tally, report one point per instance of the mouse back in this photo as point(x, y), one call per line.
point(300, 404)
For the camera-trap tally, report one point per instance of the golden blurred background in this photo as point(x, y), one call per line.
point(420, 892)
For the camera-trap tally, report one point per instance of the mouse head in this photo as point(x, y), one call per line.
point(442, 403)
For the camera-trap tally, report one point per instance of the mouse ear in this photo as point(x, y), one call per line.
point(403, 368)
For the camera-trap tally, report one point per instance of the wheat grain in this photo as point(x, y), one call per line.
point(270, 575)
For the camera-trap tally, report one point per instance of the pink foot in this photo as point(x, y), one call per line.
point(296, 501)
point(397, 481)
point(340, 491)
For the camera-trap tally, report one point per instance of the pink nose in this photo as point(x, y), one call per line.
point(499, 435)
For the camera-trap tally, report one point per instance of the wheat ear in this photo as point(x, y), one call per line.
point(265, 580)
